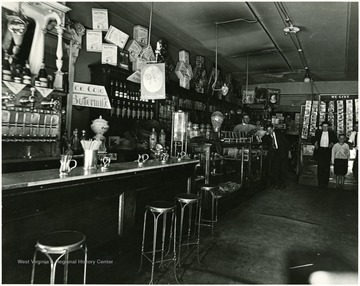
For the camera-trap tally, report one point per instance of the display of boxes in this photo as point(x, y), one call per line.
point(140, 34)
point(134, 49)
point(148, 53)
point(109, 54)
point(180, 69)
point(184, 56)
point(138, 64)
point(117, 37)
point(185, 82)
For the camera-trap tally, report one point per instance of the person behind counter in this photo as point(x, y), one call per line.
point(244, 128)
point(324, 140)
point(340, 155)
point(279, 153)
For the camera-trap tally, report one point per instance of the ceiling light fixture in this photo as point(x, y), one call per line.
point(307, 77)
point(224, 89)
point(291, 29)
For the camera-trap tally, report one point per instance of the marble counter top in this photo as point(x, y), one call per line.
point(46, 177)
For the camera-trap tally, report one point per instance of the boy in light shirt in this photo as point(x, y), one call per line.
point(340, 155)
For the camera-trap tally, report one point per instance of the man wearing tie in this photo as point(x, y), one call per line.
point(354, 140)
point(324, 140)
point(278, 154)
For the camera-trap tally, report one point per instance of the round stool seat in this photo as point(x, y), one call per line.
point(161, 207)
point(187, 198)
point(60, 241)
point(208, 187)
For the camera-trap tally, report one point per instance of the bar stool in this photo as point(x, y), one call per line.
point(60, 243)
point(188, 200)
point(211, 190)
point(160, 209)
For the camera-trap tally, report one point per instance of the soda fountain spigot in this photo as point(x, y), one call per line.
point(7, 97)
point(54, 104)
point(31, 99)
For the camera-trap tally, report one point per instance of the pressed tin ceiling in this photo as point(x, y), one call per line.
point(328, 35)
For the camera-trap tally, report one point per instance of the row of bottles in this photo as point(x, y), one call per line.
point(128, 104)
point(73, 146)
point(15, 72)
point(134, 109)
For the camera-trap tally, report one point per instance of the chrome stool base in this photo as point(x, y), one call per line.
point(60, 243)
point(215, 196)
point(187, 201)
point(159, 210)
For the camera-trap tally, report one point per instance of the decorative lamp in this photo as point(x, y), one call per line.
point(100, 127)
point(307, 78)
point(217, 119)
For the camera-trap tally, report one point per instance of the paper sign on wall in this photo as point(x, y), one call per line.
point(89, 95)
point(93, 41)
point(153, 81)
point(100, 19)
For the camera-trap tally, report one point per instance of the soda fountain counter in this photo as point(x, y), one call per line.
point(107, 206)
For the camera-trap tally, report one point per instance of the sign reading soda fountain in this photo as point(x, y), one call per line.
point(90, 95)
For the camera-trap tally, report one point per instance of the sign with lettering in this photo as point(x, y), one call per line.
point(89, 95)
point(338, 96)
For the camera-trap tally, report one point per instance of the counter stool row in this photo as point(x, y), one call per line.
point(159, 210)
point(62, 243)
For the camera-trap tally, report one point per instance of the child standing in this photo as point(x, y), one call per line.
point(339, 158)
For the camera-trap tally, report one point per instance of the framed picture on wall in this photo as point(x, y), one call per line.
point(260, 95)
point(248, 96)
point(273, 96)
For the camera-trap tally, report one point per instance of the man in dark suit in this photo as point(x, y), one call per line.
point(278, 154)
point(324, 140)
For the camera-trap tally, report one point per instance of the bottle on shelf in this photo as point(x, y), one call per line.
point(112, 90)
point(75, 142)
point(6, 69)
point(121, 91)
point(42, 76)
point(153, 139)
point(133, 111)
point(118, 108)
point(162, 137)
point(117, 93)
point(123, 110)
point(143, 110)
point(126, 94)
point(128, 110)
point(113, 107)
point(18, 73)
point(27, 74)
